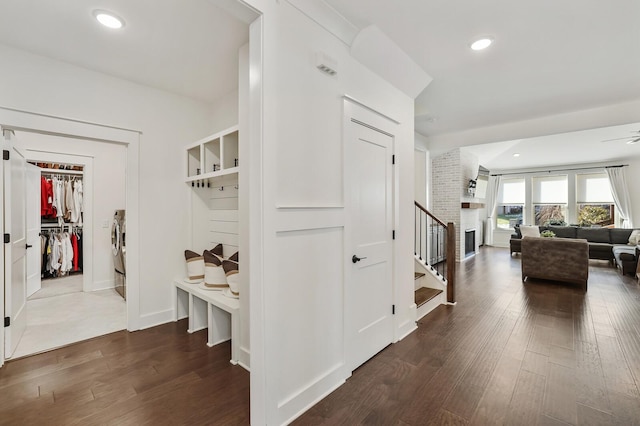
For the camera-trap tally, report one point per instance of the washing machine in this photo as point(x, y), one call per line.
point(118, 250)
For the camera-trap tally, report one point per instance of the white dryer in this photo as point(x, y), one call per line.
point(118, 250)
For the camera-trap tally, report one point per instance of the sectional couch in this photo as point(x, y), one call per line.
point(558, 259)
point(610, 244)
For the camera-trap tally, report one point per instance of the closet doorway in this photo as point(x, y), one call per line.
point(75, 298)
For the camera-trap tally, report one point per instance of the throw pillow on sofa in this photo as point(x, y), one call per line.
point(634, 238)
point(530, 231)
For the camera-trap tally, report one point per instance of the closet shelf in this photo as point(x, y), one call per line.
point(62, 172)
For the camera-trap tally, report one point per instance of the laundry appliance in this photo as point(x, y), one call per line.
point(118, 250)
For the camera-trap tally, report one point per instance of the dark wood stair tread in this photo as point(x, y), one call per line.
point(418, 275)
point(424, 294)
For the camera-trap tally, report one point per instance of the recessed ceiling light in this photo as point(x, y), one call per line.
point(481, 43)
point(516, 155)
point(108, 19)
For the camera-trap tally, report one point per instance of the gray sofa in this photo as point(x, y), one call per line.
point(557, 259)
point(602, 242)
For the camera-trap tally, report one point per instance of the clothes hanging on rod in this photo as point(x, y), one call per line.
point(61, 252)
point(61, 209)
point(62, 199)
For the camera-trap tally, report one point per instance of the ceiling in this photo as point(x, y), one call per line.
point(564, 149)
point(192, 51)
point(549, 57)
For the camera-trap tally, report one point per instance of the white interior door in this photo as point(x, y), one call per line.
point(34, 253)
point(15, 269)
point(369, 289)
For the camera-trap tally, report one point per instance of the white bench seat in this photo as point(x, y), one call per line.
point(209, 309)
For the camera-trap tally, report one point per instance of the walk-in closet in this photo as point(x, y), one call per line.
point(61, 206)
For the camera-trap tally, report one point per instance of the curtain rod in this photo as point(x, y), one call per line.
point(560, 170)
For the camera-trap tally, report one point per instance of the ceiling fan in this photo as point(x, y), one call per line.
point(633, 139)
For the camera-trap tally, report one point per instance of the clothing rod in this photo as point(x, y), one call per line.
point(62, 172)
point(560, 170)
point(55, 225)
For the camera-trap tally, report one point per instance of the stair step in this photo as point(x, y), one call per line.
point(424, 294)
point(418, 275)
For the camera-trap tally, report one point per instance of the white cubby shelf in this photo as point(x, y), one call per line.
point(213, 156)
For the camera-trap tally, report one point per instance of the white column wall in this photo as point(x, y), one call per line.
point(167, 122)
point(302, 347)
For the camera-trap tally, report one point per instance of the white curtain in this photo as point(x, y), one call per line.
point(620, 192)
point(492, 201)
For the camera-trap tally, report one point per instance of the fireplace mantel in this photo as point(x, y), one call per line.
point(472, 205)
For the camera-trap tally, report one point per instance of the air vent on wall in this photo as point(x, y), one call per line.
point(326, 64)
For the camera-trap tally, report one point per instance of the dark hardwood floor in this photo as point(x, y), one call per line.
point(508, 353)
point(159, 376)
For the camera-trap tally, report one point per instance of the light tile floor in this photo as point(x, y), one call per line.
point(67, 318)
point(57, 286)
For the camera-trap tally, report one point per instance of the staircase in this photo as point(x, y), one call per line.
point(434, 252)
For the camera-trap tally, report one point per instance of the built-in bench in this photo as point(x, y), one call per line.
point(211, 310)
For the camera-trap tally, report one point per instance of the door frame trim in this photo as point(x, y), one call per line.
point(29, 121)
point(359, 113)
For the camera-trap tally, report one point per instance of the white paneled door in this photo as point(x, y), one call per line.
point(369, 288)
point(15, 229)
point(34, 253)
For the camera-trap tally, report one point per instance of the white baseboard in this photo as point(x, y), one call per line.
point(306, 398)
point(156, 318)
point(244, 358)
point(408, 326)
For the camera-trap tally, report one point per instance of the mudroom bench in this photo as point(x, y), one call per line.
point(211, 310)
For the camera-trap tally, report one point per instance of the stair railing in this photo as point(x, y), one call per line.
point(435, 245)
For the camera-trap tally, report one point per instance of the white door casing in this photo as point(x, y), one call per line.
point(34, 254)
point(15, 277)
point(369, 203)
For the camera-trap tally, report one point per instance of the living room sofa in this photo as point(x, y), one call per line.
point(557, 259)
point(602, 242)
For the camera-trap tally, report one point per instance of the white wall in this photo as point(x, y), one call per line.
point(633, 177)
point(215, 215)
point(107, 193)
point(421, 144)
point(303, 223)
point(224, 112)
point(420, 171)
point(167, 122)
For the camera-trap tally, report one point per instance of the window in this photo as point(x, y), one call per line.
point(595, 202)
point(549, 196)
point(511, 198)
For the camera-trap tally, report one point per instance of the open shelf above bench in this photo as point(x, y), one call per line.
point(213, 156)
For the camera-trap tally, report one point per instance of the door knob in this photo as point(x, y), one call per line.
point(28, 246)
point(356, 259)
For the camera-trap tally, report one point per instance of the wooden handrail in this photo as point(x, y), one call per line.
point(418, 205)
point(449, 255)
